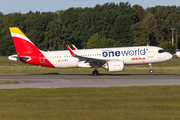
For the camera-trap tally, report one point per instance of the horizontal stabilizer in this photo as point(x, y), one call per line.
point(16, 58)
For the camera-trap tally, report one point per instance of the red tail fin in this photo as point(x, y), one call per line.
point(22, 44)
point(27, 52)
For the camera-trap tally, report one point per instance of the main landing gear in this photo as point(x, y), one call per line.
point(150, 67)
point(95, 72)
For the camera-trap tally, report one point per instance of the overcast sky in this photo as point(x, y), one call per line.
point(24, 6)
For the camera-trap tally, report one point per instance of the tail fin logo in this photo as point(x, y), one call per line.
point(27, 52)
point(22, 44)
point(16, 32)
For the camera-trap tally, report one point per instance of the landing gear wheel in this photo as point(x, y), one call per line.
point(95, 72)
point(150, 67)
point(151, 71)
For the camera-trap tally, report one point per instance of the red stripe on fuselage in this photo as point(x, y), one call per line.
point(25, 48)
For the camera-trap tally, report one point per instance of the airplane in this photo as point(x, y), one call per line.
point(111, 59)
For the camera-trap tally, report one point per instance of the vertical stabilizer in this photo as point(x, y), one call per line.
point(27, 52)
point(22, 44)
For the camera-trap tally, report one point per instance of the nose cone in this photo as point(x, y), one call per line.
point(169, 56)
point(164, 57)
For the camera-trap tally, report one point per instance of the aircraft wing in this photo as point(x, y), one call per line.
point(99, 62)
point(75, 48)
point(90, 60)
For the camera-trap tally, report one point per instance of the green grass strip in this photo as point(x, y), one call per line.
point(111, 103)
point(7, 82)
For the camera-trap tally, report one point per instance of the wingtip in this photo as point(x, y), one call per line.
point(70, 50)
point(67, 46)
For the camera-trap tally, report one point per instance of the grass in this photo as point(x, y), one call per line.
point(169, 67)
point(111, 103)
point(7, 82)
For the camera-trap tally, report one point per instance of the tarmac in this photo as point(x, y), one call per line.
point(87, 80)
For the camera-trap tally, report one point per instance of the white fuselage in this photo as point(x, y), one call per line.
point(129, 55)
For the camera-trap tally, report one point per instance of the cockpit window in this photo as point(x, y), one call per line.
point(161, 51)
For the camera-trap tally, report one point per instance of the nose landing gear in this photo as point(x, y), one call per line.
point(150, 67)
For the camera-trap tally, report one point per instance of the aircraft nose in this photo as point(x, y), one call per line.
point(169, 56)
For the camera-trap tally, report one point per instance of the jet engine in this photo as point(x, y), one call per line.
point(114, 66)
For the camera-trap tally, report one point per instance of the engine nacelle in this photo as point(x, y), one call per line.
point(114, 66)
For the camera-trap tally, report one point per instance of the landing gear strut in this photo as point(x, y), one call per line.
point(150, 67)
point(95, 72)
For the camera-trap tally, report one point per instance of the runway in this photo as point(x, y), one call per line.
point(86, 80)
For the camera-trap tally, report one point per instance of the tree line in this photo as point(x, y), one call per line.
point(107, 25)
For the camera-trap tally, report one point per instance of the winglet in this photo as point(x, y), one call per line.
point(70, 50)
point(74, 47)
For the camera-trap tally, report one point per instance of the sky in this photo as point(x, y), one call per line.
point(24, 6)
